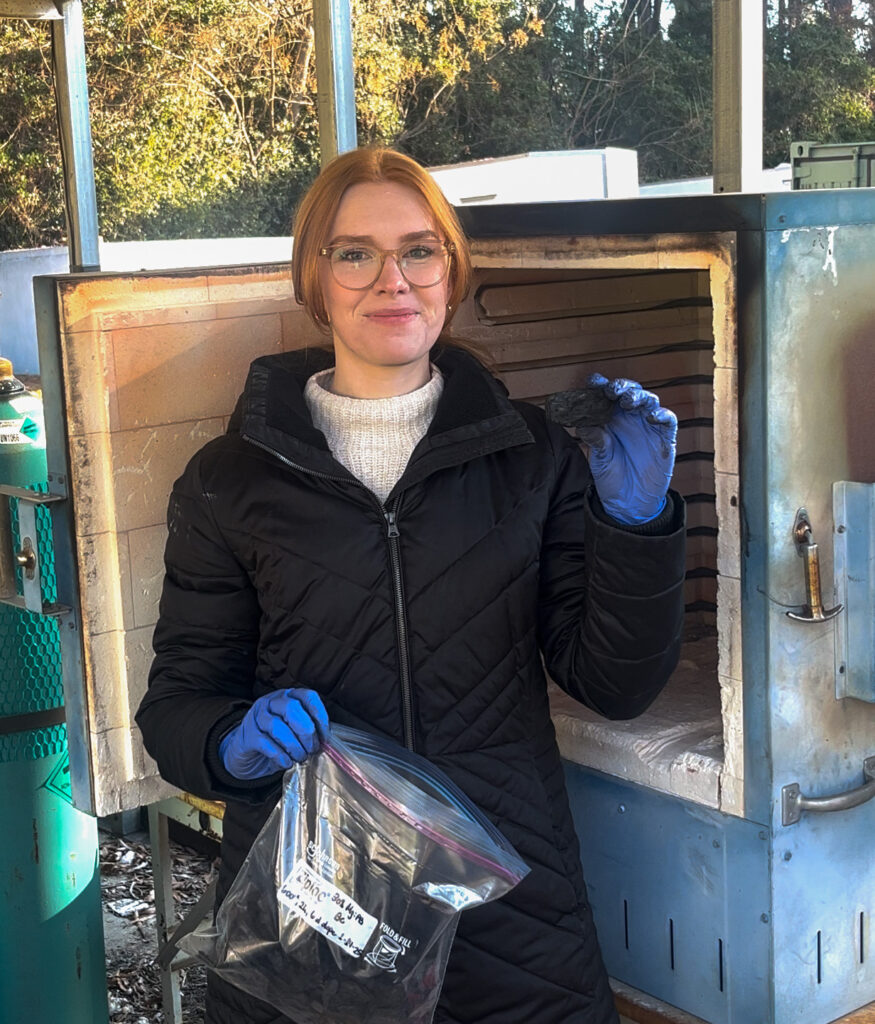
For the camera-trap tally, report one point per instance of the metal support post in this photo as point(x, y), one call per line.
point(195, 813)
point(68, 56)
point(165, 915)
point(738, 95)
point(335, 86)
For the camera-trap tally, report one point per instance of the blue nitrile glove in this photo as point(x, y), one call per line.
point(279, 729)
point(632, 455)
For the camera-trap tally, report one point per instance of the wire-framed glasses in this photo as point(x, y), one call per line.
point(422, 263)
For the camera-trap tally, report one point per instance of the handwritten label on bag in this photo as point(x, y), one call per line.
point(327, 909)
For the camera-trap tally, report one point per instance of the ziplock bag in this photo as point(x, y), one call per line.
point(346, 906)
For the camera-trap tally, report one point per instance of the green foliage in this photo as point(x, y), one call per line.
point(414, 61)
point(592, 79)
point(203, 111)
point(587, 79)
point(31, 186)
point(204, 114)
point(819, 86)
point(202, 120)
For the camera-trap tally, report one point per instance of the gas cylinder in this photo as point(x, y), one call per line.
point(22, 432)
point(51, 933)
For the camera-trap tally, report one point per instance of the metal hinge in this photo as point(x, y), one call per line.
point(26, 559)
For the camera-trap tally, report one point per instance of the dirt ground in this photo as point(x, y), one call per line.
point(128, 899)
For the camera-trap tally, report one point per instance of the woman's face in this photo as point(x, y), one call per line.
point(382, 334)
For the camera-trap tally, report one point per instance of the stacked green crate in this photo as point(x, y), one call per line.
point(833, 164)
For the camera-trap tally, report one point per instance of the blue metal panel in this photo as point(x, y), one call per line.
point(680, 896)
point(824, 909)
point(753, 412)
point(818, 366)
point(644, 216)
point(821, 207)
point(792, 906)
point(820, 420)
point(854, 513)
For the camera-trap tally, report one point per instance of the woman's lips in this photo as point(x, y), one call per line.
point(392, 316)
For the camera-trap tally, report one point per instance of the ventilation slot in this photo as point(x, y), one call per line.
point(626, 922)
point(671, 941)
point(819, 961)
point(720, 962)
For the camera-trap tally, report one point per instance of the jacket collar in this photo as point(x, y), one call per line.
point(474, 414)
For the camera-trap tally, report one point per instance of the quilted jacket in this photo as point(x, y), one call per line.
point(428, 619)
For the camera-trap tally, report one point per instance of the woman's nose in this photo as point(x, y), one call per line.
point(390, 277)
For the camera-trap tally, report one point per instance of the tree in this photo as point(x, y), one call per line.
point(200, 117)
point(592, 76)
point(31, 193)
point(820, 84)
point(203, 111)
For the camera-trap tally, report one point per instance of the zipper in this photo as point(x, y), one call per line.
point(394, 534)
point(303, 469)
point(390, 514)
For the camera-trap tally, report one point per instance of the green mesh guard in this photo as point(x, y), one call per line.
point(33, 744)
point(30, 656)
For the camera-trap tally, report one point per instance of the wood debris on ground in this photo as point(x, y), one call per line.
point(133, 979)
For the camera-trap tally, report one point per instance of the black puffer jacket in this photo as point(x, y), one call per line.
point(424, 620)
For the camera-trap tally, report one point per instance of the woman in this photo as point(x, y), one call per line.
point(384, 539)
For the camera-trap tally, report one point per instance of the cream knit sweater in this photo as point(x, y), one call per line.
point(373, 437)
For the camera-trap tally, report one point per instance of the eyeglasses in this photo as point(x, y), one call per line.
point(356, 266)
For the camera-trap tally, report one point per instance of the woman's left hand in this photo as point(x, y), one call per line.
point(632, 455)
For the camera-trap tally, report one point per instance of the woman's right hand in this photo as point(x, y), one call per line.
point(279, 729)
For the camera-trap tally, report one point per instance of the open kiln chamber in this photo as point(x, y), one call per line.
point(552, 311)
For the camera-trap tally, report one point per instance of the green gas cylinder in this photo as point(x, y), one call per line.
point(51, 931)
point(22, 432)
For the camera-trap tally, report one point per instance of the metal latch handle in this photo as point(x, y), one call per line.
point(793, 803)
point(808, 551)
point(27, 558)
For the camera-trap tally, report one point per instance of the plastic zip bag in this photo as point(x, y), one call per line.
point(346, 906)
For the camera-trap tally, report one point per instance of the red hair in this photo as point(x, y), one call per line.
point(318, 209)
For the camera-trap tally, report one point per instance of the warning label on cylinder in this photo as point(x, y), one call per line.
point(10, 432)
point(59, 780)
